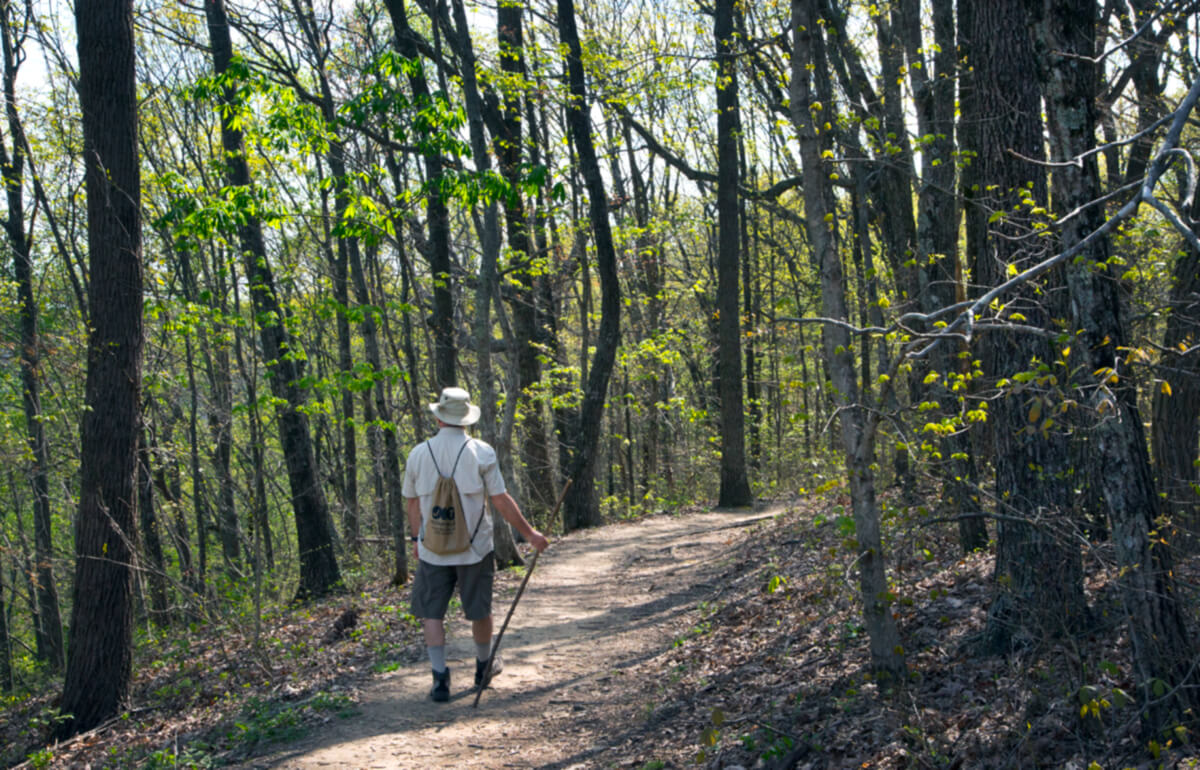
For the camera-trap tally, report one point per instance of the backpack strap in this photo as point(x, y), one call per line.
point(433, 457)
point(456, 459)
point(483, 510)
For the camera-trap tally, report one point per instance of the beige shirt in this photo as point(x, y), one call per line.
point(477, 478)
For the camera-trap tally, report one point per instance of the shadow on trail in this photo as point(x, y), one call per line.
point(626, 583)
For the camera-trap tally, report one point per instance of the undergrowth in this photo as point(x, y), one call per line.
point(208, 694)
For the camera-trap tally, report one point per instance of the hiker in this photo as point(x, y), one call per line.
point(446, 481)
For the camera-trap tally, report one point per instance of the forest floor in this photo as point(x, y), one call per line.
point(698, 639)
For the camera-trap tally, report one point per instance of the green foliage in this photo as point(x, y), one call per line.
point(42, 758)
point(193, 757)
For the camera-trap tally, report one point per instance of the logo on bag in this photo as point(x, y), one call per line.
point(443, 513)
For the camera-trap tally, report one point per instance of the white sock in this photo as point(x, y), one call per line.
point(437, 657)
point(483, 651)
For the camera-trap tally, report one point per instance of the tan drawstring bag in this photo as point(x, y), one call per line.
point(445, 533)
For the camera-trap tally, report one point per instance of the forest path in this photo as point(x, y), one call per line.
point(600, 603)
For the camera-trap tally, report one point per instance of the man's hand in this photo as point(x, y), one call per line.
point(416, 552)
point(538, 541)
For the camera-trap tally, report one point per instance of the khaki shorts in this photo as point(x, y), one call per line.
point(434, 585)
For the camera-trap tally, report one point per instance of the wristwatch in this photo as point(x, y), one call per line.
point(414, 538)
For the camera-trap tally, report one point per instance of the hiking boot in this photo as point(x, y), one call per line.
point(441, 686)
point(481, 669)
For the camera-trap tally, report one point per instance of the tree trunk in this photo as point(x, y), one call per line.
point(1176, 402)
point(156, 570)
point(220, 416)
point(548, 306)
point(221, 426)
point(340, 256)
point(437, 214)
point(1038, 563)
point(165, 472)
point(735, 485)
point(319, 573)
point(937, 235)
point(259, 522)
point(887, 655)
point(6, 677)
point(1163, 652)
point(350, 512)
point(48, 630)
point(580, 508)
point(489, 232)
point(100, 655)
point(529, 334)
point(199, 485)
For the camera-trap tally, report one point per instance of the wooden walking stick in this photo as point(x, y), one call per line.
point(533, 563)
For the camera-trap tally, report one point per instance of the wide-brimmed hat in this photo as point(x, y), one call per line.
point(454, 407)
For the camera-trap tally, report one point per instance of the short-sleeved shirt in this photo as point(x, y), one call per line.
point(477, 477)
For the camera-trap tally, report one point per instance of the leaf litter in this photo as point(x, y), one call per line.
point(767, 670)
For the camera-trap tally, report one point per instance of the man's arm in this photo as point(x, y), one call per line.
point(508, 508)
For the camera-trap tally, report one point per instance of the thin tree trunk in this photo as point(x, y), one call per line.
point(220, 415)
point(505, 549)
point(48, 630)
point(199, 486)
point(937, 234)
point(167, 479)
point(529, 333)
point(339, 259)
point(735, 485)
point(580, 508)
point(6, 677)
point(319, 573)
point(156, 570)
point(437, 214)
point(260, 521)
point(349, 485)
point(887, 655)
point(221, 426)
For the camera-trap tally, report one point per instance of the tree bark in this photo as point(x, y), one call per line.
point(100, 655)
point(1175, 427)
point(199, 484)
point(807, 105)
point(1039, 591)
point(1163, 651)
point(445, 351)
point(938, 216)
point(529, 333)
point(319, 573)
point(489, 232)
point(580, 507)
point(735, 485)
point(345, 249)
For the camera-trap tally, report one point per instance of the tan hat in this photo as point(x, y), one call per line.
point(454, 407)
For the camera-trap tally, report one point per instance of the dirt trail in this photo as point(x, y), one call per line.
point(599, 604)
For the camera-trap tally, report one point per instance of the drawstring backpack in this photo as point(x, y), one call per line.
point(446, 531)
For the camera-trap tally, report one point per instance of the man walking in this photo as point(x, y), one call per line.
point(472, 465)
